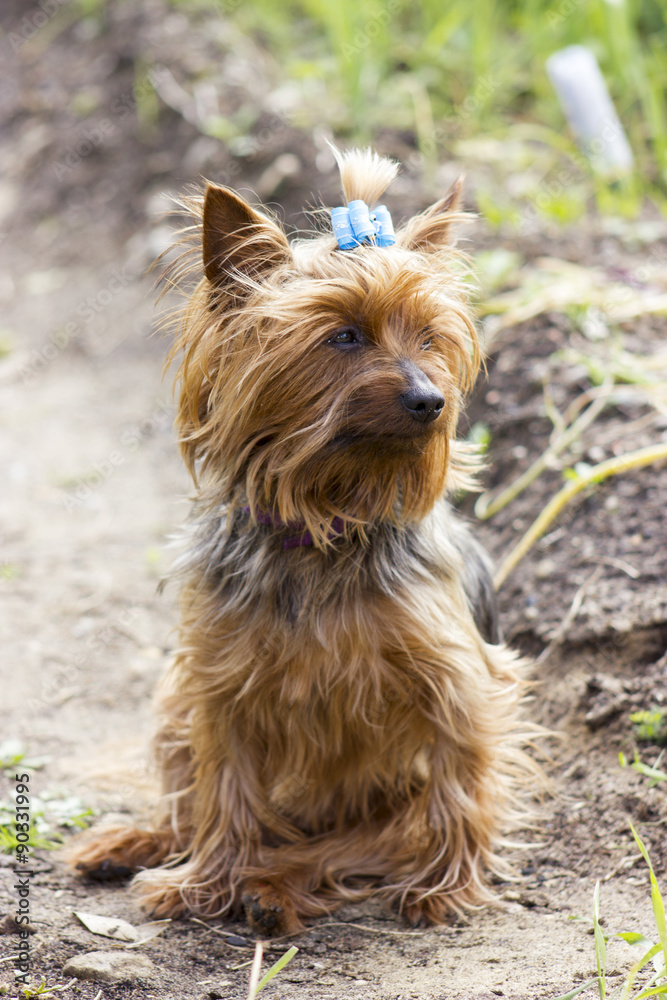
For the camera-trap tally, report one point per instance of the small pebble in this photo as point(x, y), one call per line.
point(237, 940)
point(545, 569)
point(110, 967)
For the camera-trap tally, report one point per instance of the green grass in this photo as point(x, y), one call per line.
point(256, 984)
point(651, 771)
point(48, 814)
point(447, 71)
point(653, 958)
point(650, 726)
point(43, 989)
point(47, 817)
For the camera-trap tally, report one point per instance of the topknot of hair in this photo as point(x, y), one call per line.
point(364, 175)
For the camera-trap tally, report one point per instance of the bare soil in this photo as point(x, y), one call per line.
point(94, 488)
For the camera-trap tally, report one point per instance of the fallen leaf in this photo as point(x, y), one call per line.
point(146, 932)
point(111, 927)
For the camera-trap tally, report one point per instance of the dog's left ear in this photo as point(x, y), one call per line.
point(236, 238)
point(432, 229)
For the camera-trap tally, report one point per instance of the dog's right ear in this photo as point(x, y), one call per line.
point(236, 238)
point(432, 229)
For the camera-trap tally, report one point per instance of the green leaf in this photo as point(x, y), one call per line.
point(656, 898)
point(654, 949)
point(649, 772)
point(600, 945)
point(650, 726)
point(577, 991)
point(480, 435)
point(659, 913)
point(632, 938)
point(642, 848)
point(275, 969)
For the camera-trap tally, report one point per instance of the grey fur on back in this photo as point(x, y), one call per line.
point(477, 581)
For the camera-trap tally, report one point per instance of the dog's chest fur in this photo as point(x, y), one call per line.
point(334, 659)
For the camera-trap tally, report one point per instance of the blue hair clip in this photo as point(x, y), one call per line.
point(384, 227)
point(355, 225)
point(342, 228)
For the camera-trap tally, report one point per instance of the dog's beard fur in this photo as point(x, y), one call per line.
point(334, 723)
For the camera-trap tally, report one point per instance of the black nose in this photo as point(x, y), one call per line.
point(422, 400)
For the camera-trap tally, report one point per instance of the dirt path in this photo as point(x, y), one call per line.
point(93, 489)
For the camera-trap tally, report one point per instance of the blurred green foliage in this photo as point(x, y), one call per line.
point(447, 70)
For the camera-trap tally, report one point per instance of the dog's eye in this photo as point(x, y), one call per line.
point(347, 336)
point(427, 339)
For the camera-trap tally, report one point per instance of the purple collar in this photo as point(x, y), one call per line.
point(303, 536)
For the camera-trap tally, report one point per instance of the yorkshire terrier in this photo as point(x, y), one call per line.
point(341, 718)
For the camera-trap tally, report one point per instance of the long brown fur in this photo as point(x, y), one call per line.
point(334, 724)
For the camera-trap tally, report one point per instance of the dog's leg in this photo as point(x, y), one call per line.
point(313, 877)
point(476, 768)
point(222, 869)
point(118, 851)
point(429, 851)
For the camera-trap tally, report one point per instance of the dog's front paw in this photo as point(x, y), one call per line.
point(104, 870)
point(269, 912)
point(115, 852)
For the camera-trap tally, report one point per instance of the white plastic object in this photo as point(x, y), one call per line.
point(575, 75)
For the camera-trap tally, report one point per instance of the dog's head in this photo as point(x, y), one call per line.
point(318, 382)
